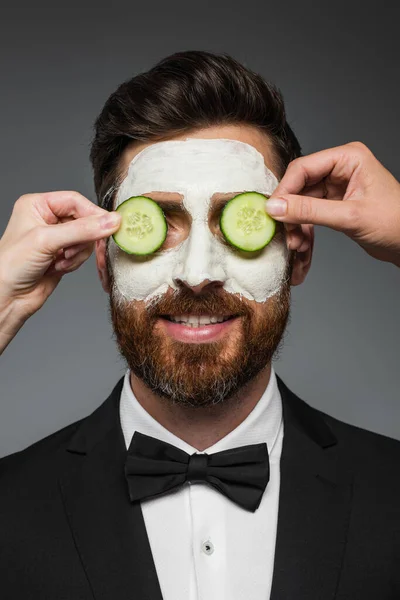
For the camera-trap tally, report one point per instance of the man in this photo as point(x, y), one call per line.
point(232, 486)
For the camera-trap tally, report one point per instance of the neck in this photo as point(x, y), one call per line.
point(202, 427)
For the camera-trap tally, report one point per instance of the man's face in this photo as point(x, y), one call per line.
point(196, 277)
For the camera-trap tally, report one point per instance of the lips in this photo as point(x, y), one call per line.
point(197, 320)
point(196, 328)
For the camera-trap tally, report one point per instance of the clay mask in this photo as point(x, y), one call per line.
point(197, 169)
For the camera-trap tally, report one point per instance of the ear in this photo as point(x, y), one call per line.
point(102, 270)
point(303, 256)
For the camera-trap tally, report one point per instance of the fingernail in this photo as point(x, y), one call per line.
point(276, 207)
point(110, 220)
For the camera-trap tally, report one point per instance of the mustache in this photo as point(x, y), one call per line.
point(184, 301)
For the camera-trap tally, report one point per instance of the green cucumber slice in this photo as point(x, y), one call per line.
point(143, 226)
point(245, 222)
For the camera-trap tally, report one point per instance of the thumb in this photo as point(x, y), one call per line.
point(291, 208)
point(81, 230)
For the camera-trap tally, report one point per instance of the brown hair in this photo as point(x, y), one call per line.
point(183, 92)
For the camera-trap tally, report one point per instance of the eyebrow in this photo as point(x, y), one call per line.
point(172, 205)
point(166, 203)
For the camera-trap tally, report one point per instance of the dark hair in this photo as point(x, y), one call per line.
point(183, 92)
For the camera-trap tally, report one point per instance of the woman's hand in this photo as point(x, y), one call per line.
point(367, 207)
point(47, 236)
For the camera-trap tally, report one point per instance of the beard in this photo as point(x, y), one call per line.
point(200, 374)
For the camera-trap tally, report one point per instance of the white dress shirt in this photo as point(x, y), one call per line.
point(204, 546)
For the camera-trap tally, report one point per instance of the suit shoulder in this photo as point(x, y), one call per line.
point(361, 442)
point(349, 440)
point(39, 452)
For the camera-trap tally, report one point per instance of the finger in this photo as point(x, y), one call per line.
point(71, 264)
point(54, 206)
point(291, 226)
point(295, 240)
point(304, 246)
point(342, 216)
point(50, 238)
point(299, 238)
point(75, 249)
point(318, 190)
point(71, 251)
point(291, 230)
point(71, 203)
point(339, 163)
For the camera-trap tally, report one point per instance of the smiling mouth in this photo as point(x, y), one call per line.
point(195, 321)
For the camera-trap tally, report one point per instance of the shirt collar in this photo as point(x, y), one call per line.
point(261, 425)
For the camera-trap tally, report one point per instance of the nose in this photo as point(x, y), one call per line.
point(202, 261)
point(205, 285)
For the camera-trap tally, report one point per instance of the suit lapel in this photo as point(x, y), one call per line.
point(110, 534)
point(109, 531)
point(314, 506)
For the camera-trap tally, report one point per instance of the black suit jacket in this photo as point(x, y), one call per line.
point(68, 530)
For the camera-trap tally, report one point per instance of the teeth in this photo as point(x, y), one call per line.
point(196, 321)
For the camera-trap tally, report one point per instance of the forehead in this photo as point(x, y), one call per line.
point(212, 165)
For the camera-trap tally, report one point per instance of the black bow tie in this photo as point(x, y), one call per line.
point(153, 467)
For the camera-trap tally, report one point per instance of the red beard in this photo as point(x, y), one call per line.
point(205, 374)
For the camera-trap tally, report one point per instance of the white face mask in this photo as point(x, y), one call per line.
point(198, 168)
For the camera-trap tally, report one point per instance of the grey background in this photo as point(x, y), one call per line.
point(337, 66)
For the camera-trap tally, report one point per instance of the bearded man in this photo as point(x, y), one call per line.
point(202, 475)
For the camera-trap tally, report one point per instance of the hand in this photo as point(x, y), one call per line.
point(44, 230)
point(368, 210)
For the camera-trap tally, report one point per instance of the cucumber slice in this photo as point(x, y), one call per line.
point(143, 226)
point(245, 222)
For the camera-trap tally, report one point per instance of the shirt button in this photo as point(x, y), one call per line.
point(207, 547)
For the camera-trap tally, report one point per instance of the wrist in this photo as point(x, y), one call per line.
point(11, 321)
